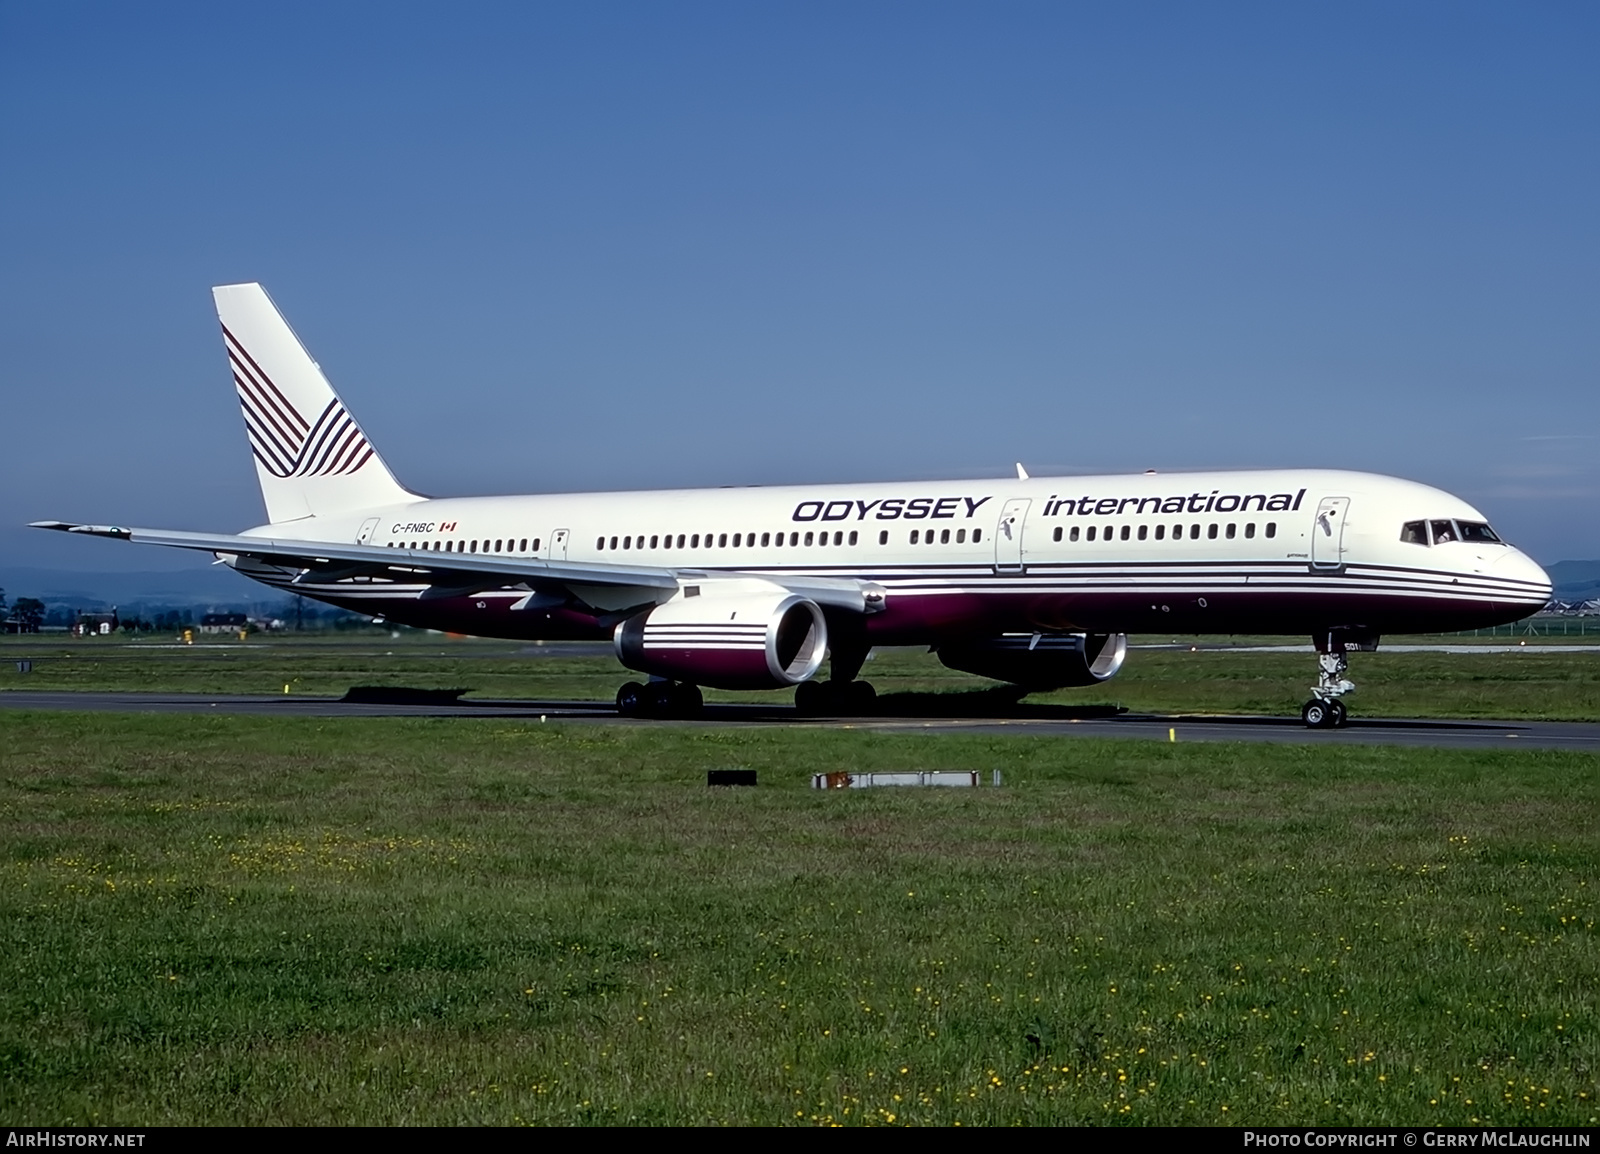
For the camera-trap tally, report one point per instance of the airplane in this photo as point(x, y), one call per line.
point(1035, 581)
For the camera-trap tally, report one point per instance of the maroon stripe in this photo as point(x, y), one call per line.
point(332, 439)
point(264, 406)
point(243, 352)
point(267, 443)
point(347, 447)
point(327, 426)
point(269, 398)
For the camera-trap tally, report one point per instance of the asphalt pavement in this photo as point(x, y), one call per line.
point(1020, 719)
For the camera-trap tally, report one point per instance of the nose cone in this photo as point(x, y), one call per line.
point(1526, 581)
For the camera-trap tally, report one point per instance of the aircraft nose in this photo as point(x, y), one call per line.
point(1524, 570)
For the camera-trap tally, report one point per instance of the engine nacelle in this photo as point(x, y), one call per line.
point(1041, 661)
point(739, 638)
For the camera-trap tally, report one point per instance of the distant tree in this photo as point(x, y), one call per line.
point(2, 602)
point(29, 614)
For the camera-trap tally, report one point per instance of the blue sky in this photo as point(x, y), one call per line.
point(543, 248)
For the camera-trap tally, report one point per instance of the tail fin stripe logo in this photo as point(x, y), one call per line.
point(272, 423)
point(283, 441)
point(259, 379)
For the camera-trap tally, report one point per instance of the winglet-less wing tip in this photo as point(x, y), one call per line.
point(91, 530)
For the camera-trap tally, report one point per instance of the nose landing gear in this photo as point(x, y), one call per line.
point(1325, 710)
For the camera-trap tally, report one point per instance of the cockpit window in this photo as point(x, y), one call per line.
point(1475, 532)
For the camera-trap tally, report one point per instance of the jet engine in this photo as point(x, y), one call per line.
point(1039, 661)
point(764, 638)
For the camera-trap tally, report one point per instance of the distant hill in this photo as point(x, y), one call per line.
point(1575, 580)
point(212, 589)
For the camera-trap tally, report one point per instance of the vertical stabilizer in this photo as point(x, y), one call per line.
point(312, 459)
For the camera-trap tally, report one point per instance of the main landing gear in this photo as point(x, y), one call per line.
point(1325, 710)
point(841, 695)
point(660, 699)
point(835, 698)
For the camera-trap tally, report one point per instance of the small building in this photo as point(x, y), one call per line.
point(224, 623)
point(95, 624)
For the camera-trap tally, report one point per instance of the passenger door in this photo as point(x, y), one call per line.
point(367, 526)
point(1008, 536)
point(1327, 534)
point(558, 545)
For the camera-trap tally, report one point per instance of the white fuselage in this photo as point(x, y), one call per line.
point(1271, 551)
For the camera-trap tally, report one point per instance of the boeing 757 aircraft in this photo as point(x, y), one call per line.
point(1033, 581)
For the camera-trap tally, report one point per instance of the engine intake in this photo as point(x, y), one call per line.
point(734, 640)
point(1041, 661)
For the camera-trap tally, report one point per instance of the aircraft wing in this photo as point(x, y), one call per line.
point(465, 573)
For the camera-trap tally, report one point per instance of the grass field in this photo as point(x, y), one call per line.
point(1548, 685)
point(247, 920)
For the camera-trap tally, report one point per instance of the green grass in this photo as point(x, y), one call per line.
point(1553, 686)
point(245, 920)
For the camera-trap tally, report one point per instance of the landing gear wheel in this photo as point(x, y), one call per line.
point(631, 699)
point(1340, 713)
point(658, 699)
point(687, 701)
point(862, 698)
point(1316, 714)
point(811, 698)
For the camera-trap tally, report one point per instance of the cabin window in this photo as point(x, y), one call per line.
point(977, 535)
point(1272, 528)
point(1089, 536)
point(613, 542)
point(473, 548)
point(600, 544)
point(1249, 530)
point(838, 536)
point(1161, 532)
point(883, 536)
point(627, 542)
point(944, 536)
point(694, 542)
point(722, 541)
point(1211, 531)
point(915, 537)
point(536, 544)
point(1144, 531)
point(1107, 533)
point(1125, 532)
point(1056, 536)
point(1231, 530)
point(852, 536)
point(961, 537)
point(766, 539)
point(497, 545)
point(809, 538)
